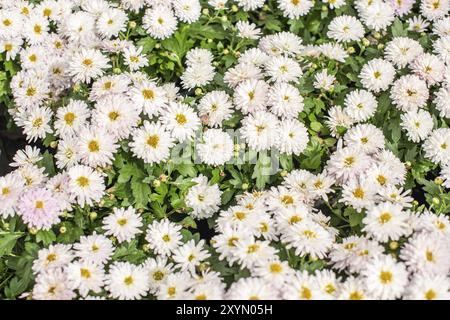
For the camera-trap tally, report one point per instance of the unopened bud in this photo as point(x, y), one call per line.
point(234, 8)
point(244, 186)
point(198, 91)
point(93, 215)
point(156, 183)
point(436, 200)
point(62, 230)
point(33, 230)
point(365, 42)
point(117, 71)
point(132, 24)
point(205, 11)
point(225, 51)
point(438, 181)
point(351, 50)
point(224, 18)
point(53, 144)
point(283, 173)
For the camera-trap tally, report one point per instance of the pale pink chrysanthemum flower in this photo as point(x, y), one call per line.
point(39, 208)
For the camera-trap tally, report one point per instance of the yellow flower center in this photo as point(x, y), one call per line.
point(83, 181)
point(69, 118)
point(153, 141)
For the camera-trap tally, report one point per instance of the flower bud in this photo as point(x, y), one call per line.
point(198, 91)
point(244, 186)
point(62, 230)
point(132, 24)
point(156, 183)
point(93, 215)
point(438, 181)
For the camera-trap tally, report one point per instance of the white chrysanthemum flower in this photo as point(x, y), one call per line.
point(11, 187)
point(360, 105)
point(348, 163)
point(303, 286)
point(111, 22)
point(426, 253)
point(441, 27)
point(67, 153)
point(353, 253)
point(163, 237)
point(294, 9)
point(292, 137)
point(187, 10)
point(216, 147)
point(418, 124)
point(345, 28)
point(434, 9)
point(116, 115)
point(437, 146)
point(385, 278)
point(158, 270)
point(442, 102)
point(149, 97)
point(285, 100)
point(428, 287)
point(386, 222)
point(95, 147)
point(417, 24)
point(159, 21)
point(243, 71)
point(36, 123)
point(85, 276)
point(151, 143)
point(248, 5)
point(126, 281)
point(87, 64)
point(248, 30)
point(55, 256)
point(250, 252)
point(251, 96)
point(409, 93)
point(188, 256)
point(259, 130)
point(71, 118)
point(203, 198)
point(353, 289)
point(197, 75)
point(324, 81)
point(36, 29)
point(181, 120)
point(334, 4)
point(402, 50)
point(215, 107)
point(95, 248)
point(283, 69)
point(86, 185)
point(333, 51)
point(252, 289)
point(365, 137)
point(53, 285)
point(27, 156)
point(442, 48)
point(308, 238)
point(134, 58)
point(123, 224)
point(429, 68)
point(338, 118)
point(378, 16)
point(377, 75)
point(358, 194)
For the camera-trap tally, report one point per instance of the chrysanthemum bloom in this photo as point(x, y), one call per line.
point(39, 209)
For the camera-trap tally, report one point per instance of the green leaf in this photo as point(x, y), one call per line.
point(46, 237)
point(8, 241)
point(141, 192)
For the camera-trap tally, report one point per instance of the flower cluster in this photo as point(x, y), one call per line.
point(247, 149)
